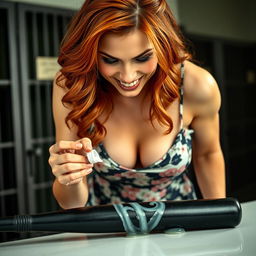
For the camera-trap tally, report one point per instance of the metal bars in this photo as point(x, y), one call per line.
point(12, 193)
point(26, 123)
point(42, 33)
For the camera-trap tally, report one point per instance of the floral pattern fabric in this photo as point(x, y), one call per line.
point(166, 179)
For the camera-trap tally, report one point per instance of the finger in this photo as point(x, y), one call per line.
point(72, 167)
point(60, 170)
point(72, 151)
point(80, 174)
point(62, 145)
point(74, 182)
point(74, 177)
point(70, 158)
point(87, 144)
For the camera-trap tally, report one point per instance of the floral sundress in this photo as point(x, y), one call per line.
point(165, 179)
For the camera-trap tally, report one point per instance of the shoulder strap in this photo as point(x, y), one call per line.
point(182, 69)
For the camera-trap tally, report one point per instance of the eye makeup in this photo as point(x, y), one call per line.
point(144, 58)
point(141, 59)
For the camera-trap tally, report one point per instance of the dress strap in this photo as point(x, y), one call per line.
point(182, 69)
point(92, 127)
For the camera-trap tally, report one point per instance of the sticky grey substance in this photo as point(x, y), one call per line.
point(93, 157)
point(175, 231)
point(145, 227)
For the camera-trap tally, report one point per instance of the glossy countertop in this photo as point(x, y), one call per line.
point(234, 241)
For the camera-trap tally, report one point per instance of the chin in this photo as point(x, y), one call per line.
point(130, 94)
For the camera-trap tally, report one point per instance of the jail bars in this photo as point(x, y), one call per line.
point(26, 122)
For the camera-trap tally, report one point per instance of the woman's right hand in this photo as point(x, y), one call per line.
point(69, 162)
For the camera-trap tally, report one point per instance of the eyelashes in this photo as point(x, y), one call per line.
point(109, 60)
point(142, 59)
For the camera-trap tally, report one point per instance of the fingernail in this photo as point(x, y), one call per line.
point(79, 145)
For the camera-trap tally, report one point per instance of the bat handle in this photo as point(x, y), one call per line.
point(23, 223)
point(18, 223)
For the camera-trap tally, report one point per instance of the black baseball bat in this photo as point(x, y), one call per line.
point(132, 218)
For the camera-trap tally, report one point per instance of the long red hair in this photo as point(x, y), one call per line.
point(78, 58)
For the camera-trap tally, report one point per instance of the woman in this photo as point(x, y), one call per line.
point(127, 89)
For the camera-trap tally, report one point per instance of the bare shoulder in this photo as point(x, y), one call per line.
point(59, 83)
point(60, 111)
point(59, 90)
point(201, 90)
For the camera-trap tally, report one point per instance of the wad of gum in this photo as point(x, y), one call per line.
point(93, 157)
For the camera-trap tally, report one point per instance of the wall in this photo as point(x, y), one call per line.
point(175, 8)
point(221, 18)
point(252, 19)
point(233, 19)
point(69, 4)
point(76, 4)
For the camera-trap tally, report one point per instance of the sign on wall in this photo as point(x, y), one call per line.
point(46, 68)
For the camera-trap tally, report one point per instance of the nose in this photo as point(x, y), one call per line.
point(128, 74)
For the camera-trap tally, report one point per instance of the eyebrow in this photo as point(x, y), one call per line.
point(146, 51)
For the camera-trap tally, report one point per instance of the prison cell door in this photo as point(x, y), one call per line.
point(26, 125)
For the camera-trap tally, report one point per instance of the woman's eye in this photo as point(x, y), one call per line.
point(143, 59)
point(109, 60)
point(113, 61)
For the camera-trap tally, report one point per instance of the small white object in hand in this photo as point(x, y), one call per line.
point(93, 157)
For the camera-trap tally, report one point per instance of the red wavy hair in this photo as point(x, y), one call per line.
point(78, 58)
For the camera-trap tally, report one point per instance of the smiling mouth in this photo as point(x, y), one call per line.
point(129, 86)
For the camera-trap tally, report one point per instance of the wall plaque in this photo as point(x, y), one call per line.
point(46, 68)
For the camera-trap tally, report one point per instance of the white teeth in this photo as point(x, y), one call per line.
point(130, 84)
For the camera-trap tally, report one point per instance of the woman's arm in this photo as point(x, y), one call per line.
point(69, 165)
point(208, 158)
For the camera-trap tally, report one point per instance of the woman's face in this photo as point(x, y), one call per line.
point(127, 61)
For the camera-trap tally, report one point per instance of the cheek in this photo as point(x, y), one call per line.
point(150, 67)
